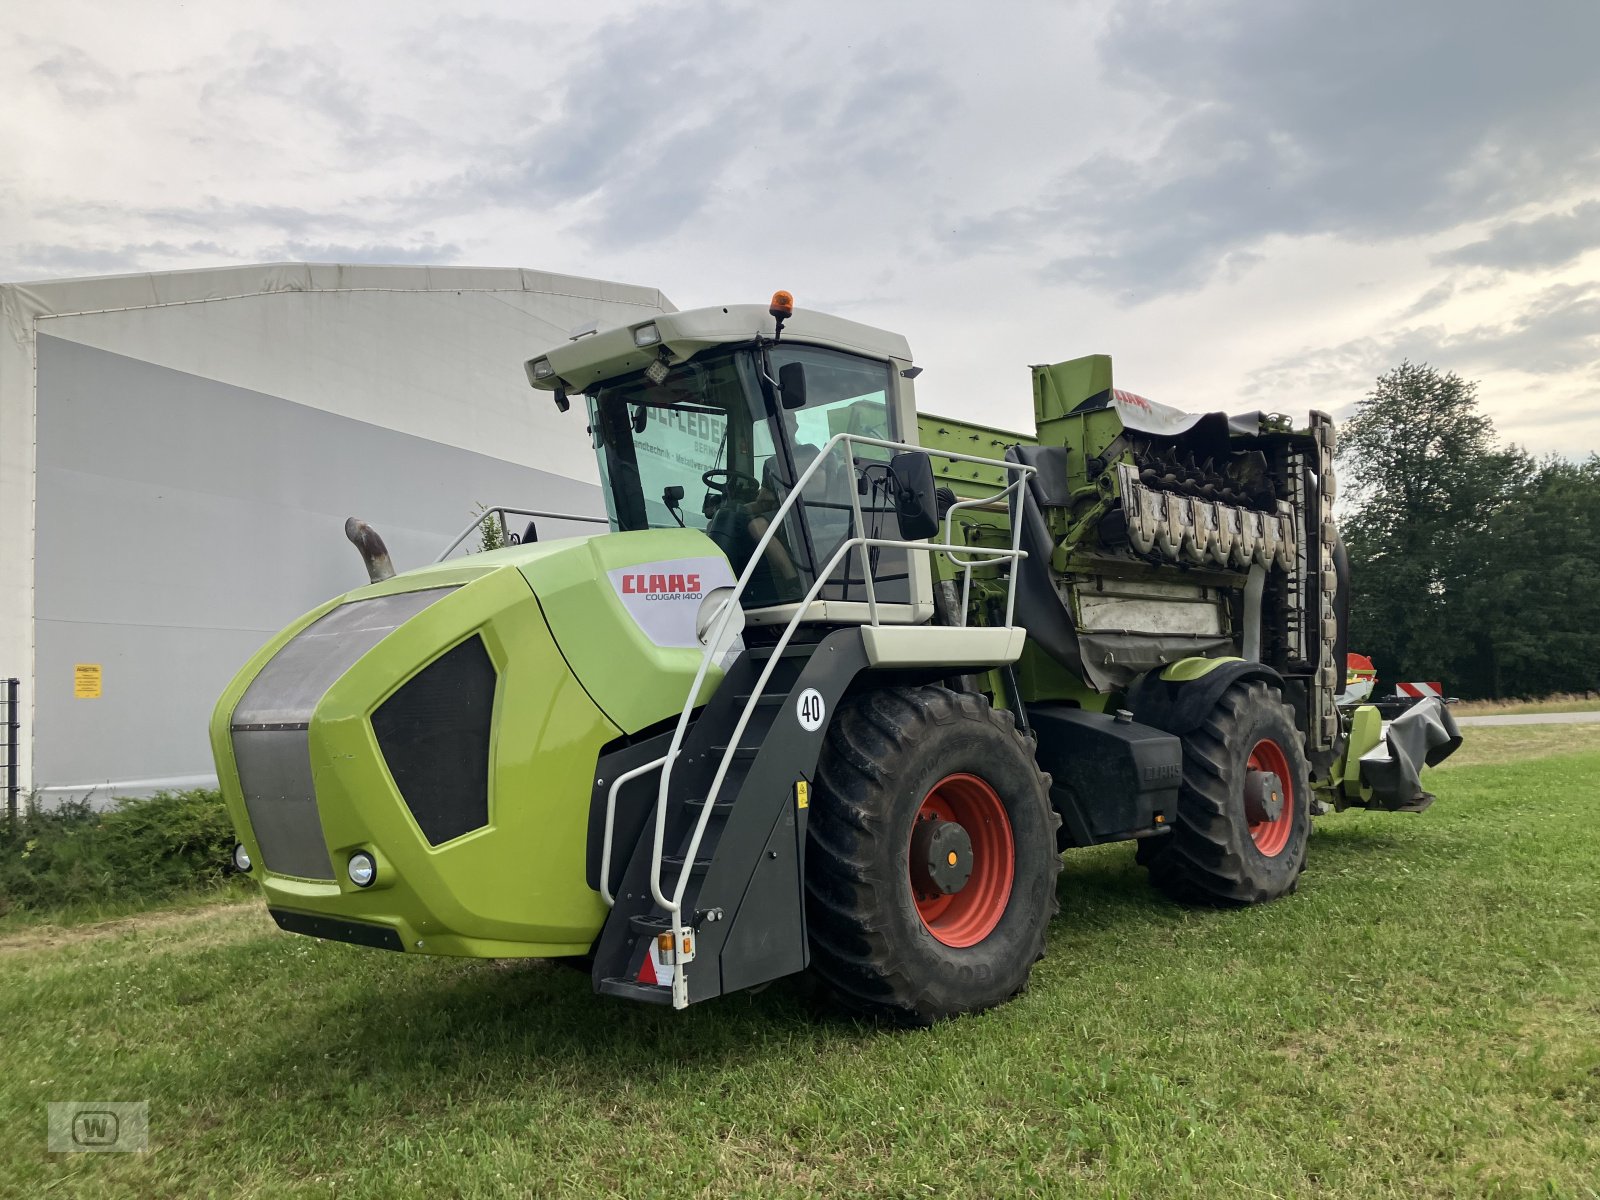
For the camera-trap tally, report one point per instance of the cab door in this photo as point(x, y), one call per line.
point(845, 393)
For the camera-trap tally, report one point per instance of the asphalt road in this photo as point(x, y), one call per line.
point(1574, 718)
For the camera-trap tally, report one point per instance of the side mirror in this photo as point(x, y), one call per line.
point(914, 502)
point(672, 501)
point(792, 385)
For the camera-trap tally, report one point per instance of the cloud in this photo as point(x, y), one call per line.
point(992, 187)
point(1553, 240)
point(355, 215)
point(79, 80)
point(44, 261)
point(650, 132)
point(1364, 120)
point(1429, 300)
point(1556, 333)
point(426, 253)
point(642, 125)
point(305, 82)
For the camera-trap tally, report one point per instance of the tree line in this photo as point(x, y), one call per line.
point(1472, 562)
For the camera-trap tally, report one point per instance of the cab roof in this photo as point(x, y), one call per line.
point(591, 355)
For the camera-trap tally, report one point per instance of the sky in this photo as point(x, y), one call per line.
point(1249, 205)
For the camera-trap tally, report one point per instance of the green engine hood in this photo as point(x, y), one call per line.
point(623, 608)
point(575, 643)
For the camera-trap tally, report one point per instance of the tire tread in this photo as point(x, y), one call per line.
point(854, 947)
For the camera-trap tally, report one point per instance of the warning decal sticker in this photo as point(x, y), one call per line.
point(86, 681)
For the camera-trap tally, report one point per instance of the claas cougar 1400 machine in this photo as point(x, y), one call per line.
point(835, 689)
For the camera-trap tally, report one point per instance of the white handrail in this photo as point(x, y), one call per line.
point(611, 818)
point(516, 512)
point(761, 682)
point(656, 763)
point(966, 565)
point(714, 636)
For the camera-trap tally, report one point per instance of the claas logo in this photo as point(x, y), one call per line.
point(662, 587)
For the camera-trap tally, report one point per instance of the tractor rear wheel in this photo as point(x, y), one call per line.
point(1244, 807)
point(930, 863)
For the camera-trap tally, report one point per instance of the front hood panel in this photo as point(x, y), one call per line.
point(624, 609)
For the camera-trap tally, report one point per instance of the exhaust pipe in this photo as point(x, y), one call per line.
point(373, 552)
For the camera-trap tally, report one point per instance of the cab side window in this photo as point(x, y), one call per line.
point(844, 394)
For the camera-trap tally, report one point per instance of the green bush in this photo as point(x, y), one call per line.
point(143, 849)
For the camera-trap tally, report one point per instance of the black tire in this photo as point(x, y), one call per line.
point(1210, 856)
point(886, 750)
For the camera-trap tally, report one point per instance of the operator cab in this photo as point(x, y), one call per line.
point(716, 436)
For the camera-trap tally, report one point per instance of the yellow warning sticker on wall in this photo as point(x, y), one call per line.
point(86, 681)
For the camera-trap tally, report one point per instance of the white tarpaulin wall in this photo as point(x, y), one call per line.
point(178, 453)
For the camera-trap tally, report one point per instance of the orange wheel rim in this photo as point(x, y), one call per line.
point(1271, 836)
point(965, 916)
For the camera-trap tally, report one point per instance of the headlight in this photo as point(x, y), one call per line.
point(362, 869)
point(646, 335)
point(241, 857)
point(539, 369)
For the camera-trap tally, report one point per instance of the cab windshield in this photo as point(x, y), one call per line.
point(709, 447)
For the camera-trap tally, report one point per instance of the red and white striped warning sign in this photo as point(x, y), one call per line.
point(656, 969)
point(1419, 691)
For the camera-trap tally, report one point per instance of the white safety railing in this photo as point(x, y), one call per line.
point(503, 511)
point(655, 764)
point(965, 557)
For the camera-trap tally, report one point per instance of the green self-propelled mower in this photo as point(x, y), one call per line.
point(835, 689)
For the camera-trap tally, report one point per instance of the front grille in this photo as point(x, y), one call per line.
point(271, 750)
point(434, 734)
point(275, 774)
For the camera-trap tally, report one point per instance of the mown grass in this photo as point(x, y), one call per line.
point(94, 911)
point(1487, 744)
point(1421, 1020)
point(1562, 703)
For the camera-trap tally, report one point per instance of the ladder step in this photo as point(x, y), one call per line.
point(792, 650)
point(767, 699)
point(720, 809)
point(650, 924)
point(675, 861)
point(740, 753)
point(629, 989)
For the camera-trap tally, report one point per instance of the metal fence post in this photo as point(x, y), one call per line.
point(12, 724)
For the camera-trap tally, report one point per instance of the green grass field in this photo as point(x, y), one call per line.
point(1487, 745)
point(1548, 704)
point(1421, 1020)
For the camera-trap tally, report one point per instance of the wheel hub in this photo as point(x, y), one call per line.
point(941, 856)
point(963, 819)
point(1263, 796)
